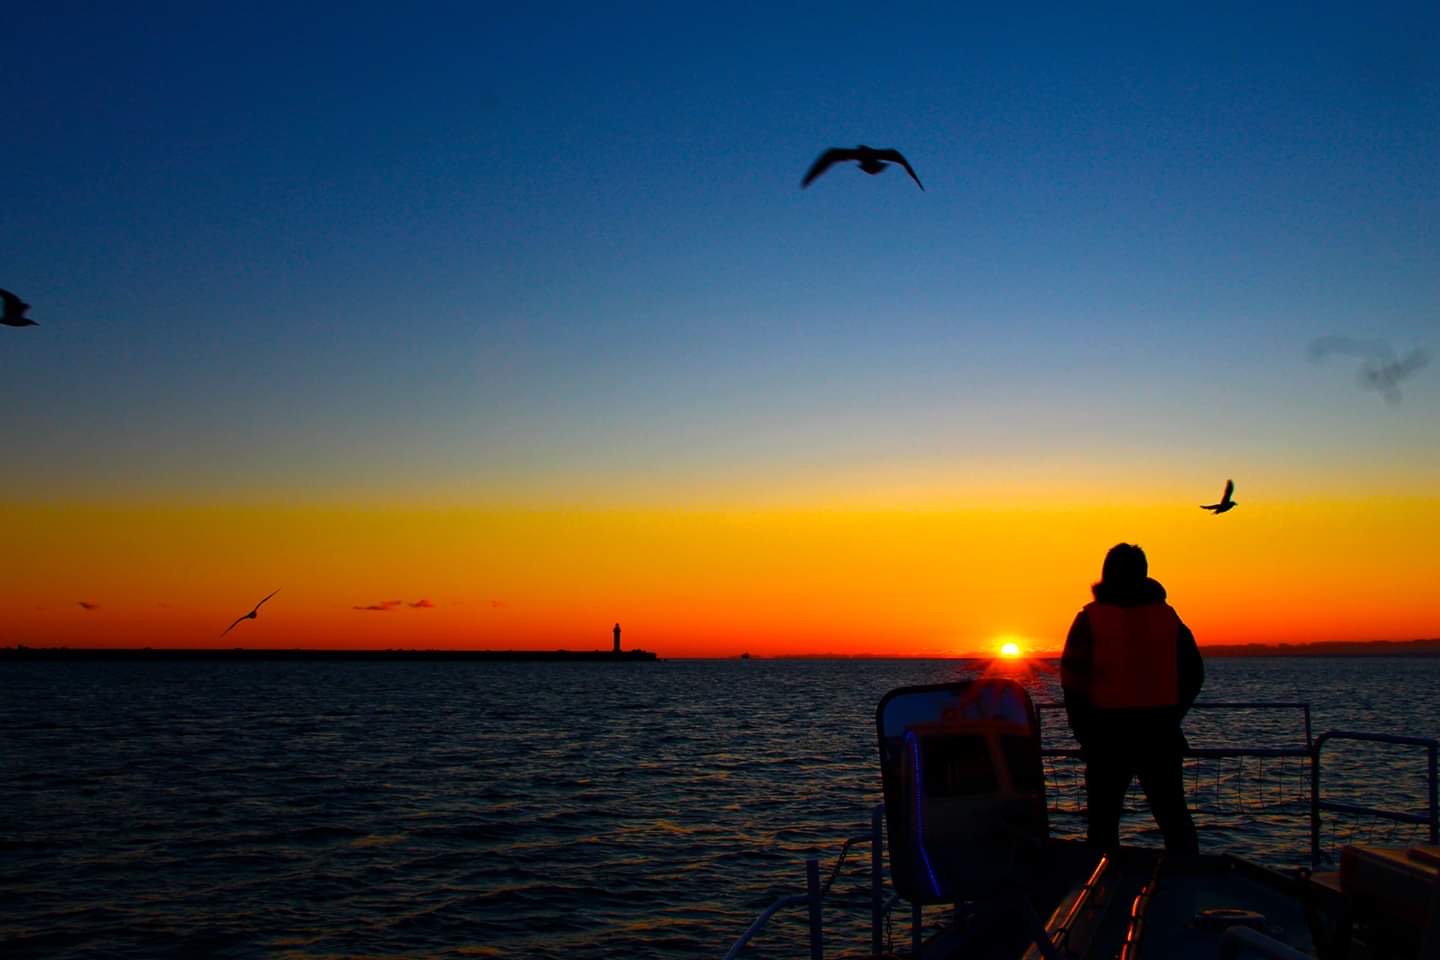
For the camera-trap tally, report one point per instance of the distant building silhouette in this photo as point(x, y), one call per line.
point(616, 633)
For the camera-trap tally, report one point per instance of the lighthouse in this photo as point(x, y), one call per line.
point(616, 633)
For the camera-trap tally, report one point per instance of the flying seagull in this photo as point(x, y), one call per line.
point(871, 160)
point(1380, 369)
point(252, 613)
point(14, 315)
point(1386, 377)
point(1225, 502)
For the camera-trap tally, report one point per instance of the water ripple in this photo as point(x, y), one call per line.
point(313, 810)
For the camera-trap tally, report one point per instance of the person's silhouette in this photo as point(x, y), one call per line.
point(1130, 672)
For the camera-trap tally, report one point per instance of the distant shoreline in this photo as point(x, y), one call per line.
point(249, 654)
point(1331, 649)
point(1326, 648)
point(1335, 648)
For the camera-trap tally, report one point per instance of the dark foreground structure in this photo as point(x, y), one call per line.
point(11, 654)
point(965, 824)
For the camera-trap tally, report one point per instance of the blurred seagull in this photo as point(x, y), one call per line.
point(871, 160)
point(252, 613)
point(14, 315)
point(1373, 350)
point(1386, 377)
point(1380, 369)
point(1225, 502)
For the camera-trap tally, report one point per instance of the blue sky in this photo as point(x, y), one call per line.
point(481, 251)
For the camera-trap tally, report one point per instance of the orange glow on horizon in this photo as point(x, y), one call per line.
point(702, 582)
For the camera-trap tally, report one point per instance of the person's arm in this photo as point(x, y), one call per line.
point(1192, 669)
point(1075, 669)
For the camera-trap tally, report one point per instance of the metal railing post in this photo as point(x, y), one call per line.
point(877, 881)
point(812, 889)
point(1434, 800)
point(1315, 804)
point(1430, 818)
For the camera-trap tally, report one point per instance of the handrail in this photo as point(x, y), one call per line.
point(1212, 704)
point(1300, 705)
point(1311, 750)
point(1430, 818)
point(764, 918)
point(815, 893)
point(1209, 753)
point(881, 906)
point(1217, 753)
point(1064, 919)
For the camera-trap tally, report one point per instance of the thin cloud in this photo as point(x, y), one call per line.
point(424, 603)
point(87, 605)
point(384, 606)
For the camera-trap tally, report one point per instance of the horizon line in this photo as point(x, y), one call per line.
point(1307, 648)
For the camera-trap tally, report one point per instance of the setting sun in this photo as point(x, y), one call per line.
point(1010, 649)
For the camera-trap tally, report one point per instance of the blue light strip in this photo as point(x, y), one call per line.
point(914, 744)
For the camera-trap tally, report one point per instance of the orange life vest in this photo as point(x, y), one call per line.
point(1134, 662)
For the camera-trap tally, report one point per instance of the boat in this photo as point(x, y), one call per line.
point(966, 826)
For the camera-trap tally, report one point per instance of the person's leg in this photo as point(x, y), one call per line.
point(1107, 776)
point(1162, 775)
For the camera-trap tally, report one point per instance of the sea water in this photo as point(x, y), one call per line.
point(393, 809)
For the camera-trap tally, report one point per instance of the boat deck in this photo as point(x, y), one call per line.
point(945, 809)
point(1136, 903)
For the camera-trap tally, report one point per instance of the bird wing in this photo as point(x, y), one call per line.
point(894, 156)
point(1229, 489)
point(232, 626)
point(1414, 360)
point(267, 597)
point(1350, 347)
point(12, 302)
point(1387, 377)
point(822, 163)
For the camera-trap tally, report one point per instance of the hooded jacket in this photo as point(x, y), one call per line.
point(1148, 725)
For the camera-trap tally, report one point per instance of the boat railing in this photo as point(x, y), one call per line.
point(816, 892)
point(1318, 804)
point(1287, 749)
point(1310, 751)
point(1302, 749)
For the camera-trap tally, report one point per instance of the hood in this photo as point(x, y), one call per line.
point(1140, 594)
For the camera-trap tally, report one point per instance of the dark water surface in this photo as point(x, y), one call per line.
point(544, 810)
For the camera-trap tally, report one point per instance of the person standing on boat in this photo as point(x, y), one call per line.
point(1130, 672)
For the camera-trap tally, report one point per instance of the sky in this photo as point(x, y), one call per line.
point(523, 313)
